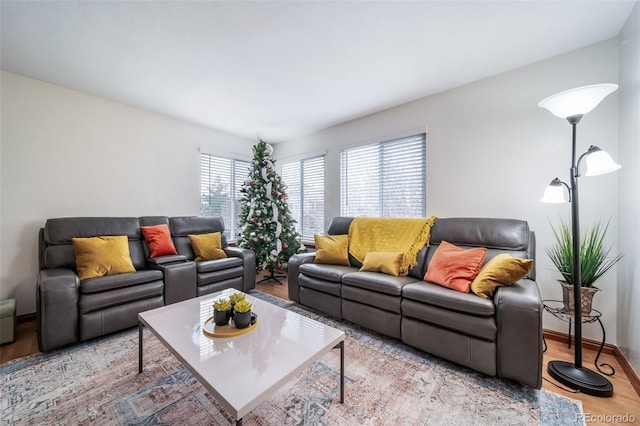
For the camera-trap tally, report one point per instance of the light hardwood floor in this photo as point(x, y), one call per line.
point(622, 408)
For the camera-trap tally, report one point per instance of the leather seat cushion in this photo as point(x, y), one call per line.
point(221, 275)
point(322, 286)
point(95, 301)
point(112, 282)
point(362, 296)
point(376, 281)
point(333, 273)
point(218, 264)
point(433, 294)
point(481, 327)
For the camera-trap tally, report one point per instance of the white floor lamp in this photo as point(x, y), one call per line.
point(573, 105)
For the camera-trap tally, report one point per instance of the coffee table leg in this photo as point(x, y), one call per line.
point(239, 422)
point(140, 347)
point(341, 371)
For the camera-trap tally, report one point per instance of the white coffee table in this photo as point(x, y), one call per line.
point(264, 359)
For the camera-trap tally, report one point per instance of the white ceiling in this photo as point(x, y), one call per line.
point(281, 69)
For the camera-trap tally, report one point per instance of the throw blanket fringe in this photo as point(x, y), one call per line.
point(384, 234)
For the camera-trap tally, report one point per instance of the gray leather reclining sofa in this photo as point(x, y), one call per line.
point(69, 310)
point(499, 337)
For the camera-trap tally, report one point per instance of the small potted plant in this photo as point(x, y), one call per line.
point(234, 298)
point(595, 260)
point(221, 311)
point(242, 314)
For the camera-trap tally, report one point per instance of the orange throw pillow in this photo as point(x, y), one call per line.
point(159, 239)
point(455, 267)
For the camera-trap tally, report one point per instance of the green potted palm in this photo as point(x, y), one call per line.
point(595, 261)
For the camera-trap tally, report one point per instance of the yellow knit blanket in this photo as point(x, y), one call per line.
point(375, 234)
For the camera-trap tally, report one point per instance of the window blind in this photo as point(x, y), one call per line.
point(305, 194)
point(220, 183)
point(384, 179)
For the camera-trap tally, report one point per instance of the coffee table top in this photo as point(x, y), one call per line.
point(241, 371)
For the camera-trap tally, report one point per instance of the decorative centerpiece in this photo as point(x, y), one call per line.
point(221, 309)
point(242, 314)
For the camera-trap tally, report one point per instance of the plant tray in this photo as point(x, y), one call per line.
point(209, 328)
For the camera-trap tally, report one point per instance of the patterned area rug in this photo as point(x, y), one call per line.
point(386, 383)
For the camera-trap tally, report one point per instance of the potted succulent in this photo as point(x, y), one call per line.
point(234, 298)
point(221, 309)
point(242, 314)
point(595, 261)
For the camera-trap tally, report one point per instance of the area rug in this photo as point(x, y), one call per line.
point(386, 383)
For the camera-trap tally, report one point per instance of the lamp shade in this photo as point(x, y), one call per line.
point(578, 101)
point(554, 193)
point(599, 162)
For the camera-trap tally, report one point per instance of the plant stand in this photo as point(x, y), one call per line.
point(556, 308)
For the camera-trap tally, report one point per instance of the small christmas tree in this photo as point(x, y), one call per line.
point(266, 224)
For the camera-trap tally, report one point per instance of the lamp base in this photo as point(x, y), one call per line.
point(580, 379)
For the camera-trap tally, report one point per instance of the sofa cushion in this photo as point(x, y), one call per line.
point(455, 267)
point(362, 296)
point(323, 286)
point(95, 301)
point(433, 294)
point(207, 246)
point(113, 282)
point(104, 255)
point(332, 249)
point(502, 270)
point(375, 281)
point(220, 275)
point(218, 264)
point(481, 327)
point(385, 262)
point(158, 238)
point(331, 273)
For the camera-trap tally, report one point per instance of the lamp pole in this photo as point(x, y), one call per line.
point(575, 232)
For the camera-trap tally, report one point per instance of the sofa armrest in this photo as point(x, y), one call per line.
point(165, 260)
point(519, 340)
point(57, 298)
point(180, 279)
point(293, 270)
point(249, 264)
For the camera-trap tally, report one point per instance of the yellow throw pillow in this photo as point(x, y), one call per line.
point(99, 256)
point(207, 246)
point(383, 261)
point(332, 249)
point(502, 270)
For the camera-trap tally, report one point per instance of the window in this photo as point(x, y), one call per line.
point(305, 194)
point(384, 179)
point(220, 183)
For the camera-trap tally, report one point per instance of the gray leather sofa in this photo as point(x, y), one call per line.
point(499, 337)
point(69, 310)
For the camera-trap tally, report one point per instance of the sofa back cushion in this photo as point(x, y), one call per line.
point(497, 235)
point(183, 226)
point(57, 247)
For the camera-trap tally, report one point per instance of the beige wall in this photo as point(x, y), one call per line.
point(67, 153)
point(491, 151)
point(628, 305)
